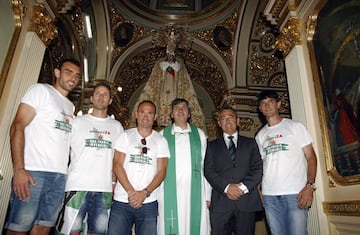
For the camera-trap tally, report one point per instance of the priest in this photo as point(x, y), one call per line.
point(184, 196)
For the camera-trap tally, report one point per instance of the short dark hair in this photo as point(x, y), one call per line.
point(268, 94)
point(177, 101)
point(104, 84)
point(147, 101)
point(71, 60)
point(227, 107)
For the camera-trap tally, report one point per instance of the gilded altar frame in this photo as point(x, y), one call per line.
point(332, 149)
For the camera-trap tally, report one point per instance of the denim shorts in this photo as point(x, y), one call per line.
point(94, 205)
point(123, 217)
point(44, 205)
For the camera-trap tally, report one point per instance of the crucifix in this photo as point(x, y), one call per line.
point(172, 218)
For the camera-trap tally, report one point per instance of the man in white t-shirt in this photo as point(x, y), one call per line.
point(140, 161)
point(89, 181)
point(39, 136)
point(289, 169)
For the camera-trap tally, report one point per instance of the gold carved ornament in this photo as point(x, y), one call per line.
point(43, 25)
point(289, 37)
point(19, 10)
point(342, 208)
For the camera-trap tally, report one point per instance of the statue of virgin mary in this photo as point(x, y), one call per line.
point(169, 79)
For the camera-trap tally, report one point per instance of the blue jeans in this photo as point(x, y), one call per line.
point(283, 215)
point(42, 207)
point(96, 206)
point(123, 216)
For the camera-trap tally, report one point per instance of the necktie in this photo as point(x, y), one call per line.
point(232, 148)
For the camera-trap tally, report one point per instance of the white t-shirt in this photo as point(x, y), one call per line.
point(92, 152)
point(140, 168)
point(47, 137)
point(284, 162)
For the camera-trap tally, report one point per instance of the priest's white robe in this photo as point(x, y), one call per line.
point(183, 183)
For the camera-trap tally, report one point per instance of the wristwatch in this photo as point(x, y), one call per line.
point(148, 193)
point(311, 184)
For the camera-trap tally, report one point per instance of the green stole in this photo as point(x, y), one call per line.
point(170, 198)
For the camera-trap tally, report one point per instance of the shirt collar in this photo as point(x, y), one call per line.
point(179, 130)
point(234, 134)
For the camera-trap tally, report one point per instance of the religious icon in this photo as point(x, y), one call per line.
point(222, 38)
point(337, 56)
point(169, 79)
point(123, 34)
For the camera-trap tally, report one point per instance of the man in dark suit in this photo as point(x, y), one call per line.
point(234, 178)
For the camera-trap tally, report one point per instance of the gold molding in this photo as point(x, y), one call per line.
point(278, 7)
point(197, 18)
point(248, 124)
point(312, 21)
point(289, 36)
point(19, 11)
point(310, 27)
point(342, 208)
point(43, 25)
point(331, 183)
point(277, 11)
point(294, 4)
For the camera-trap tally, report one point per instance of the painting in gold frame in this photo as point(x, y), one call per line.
point(335, 54)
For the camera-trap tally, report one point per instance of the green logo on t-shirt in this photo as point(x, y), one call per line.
point(61, 125)
point(276, 148)
point(65, 124)
point(98, 143)
point(139, 158)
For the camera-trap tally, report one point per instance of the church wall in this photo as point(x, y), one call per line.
point(8, 34)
